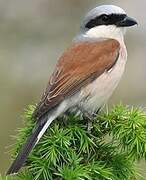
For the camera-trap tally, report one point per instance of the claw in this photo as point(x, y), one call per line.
point(89, 126)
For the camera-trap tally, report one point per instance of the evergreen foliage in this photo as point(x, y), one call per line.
point(68, 151)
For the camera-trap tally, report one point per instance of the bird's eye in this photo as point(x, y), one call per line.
point(104, 17)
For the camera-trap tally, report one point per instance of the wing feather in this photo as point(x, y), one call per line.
point(77, 67)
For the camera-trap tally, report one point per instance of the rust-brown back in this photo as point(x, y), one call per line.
point(77, 67)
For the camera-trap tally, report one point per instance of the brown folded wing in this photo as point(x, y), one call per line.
point(77, 67)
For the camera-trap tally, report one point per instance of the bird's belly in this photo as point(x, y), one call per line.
point(99, 91)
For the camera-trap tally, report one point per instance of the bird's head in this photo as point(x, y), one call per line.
point(106, 21)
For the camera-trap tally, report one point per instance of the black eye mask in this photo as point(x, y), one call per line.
point(104, 19)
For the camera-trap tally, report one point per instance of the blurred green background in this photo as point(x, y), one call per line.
point(33, 34)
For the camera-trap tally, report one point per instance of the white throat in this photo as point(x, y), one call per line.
point(103, 31)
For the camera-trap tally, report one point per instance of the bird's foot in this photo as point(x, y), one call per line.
point(89, 126)
point(89, 119)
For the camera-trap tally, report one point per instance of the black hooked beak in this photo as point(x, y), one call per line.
point(127, 22)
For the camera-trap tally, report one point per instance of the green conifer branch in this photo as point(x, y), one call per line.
point(68, 151)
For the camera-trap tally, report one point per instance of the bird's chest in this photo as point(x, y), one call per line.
point(99, 91)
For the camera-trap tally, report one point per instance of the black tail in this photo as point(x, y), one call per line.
point(25, 150)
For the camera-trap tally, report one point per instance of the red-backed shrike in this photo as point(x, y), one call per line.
point(85, 75)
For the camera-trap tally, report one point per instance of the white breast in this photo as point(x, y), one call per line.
point(102, 88)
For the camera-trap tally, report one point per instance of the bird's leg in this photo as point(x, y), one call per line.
point(89, 124)
point(95, 114)
point(65, 117)
point(87, 116)
point(90, 118)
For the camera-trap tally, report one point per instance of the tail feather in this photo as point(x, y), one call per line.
point(28, 146)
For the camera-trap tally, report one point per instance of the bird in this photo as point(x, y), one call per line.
point(85, 75)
